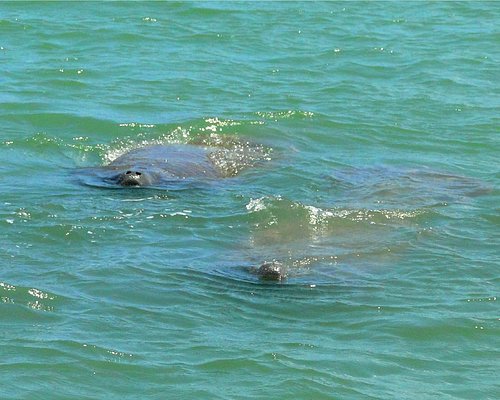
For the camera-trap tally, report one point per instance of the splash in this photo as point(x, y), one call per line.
point(33, 298)
point(279, 208)
point(231, 153)
point(278, 115)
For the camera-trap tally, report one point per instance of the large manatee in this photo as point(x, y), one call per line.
point(160, 165)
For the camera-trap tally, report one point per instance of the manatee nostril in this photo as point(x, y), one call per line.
point(138, 173)
point(128, 172)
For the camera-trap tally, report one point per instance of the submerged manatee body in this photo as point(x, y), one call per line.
point(157, 165)
point(414, 192)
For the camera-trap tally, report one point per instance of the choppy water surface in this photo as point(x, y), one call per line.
point(364, 140)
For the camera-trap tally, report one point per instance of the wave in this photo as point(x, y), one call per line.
point(30, 297)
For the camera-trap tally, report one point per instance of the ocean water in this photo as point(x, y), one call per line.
point(367, 138)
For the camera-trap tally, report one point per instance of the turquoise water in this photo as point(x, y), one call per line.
point(375, 184)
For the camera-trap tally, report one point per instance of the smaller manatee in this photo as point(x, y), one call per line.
point(168, 166)
point(174, 166)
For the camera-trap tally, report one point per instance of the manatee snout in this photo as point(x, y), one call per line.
point(133, 178)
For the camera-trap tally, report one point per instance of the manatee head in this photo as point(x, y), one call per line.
point(134, 178)
point(272, 271)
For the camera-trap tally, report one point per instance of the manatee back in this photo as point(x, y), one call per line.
point(180, 161)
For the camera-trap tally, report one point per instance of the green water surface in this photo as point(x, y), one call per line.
point(376, 186)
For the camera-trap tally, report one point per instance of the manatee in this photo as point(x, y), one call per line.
point(270, 271)
point(158, 165)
